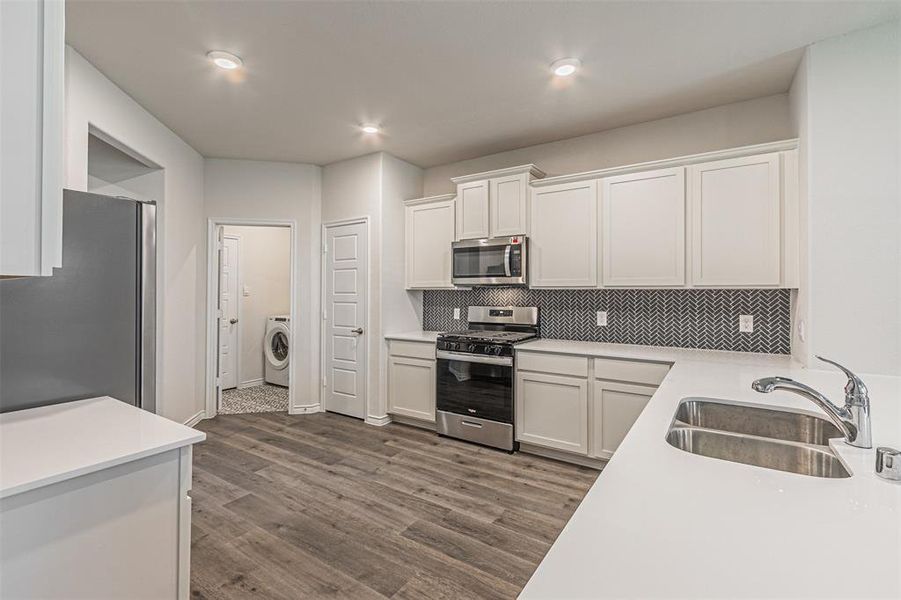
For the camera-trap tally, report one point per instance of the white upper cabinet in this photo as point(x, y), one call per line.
point(472, 210)
point(32, 54)
point(494, 203)
point(643, 228)
point(736, 221)
point(564, 242)
point(429, 235)
point(509, 203)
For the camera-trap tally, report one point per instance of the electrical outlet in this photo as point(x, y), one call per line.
point(602, 318)
point(246, 291)
point(457, 313)
point(746, 323)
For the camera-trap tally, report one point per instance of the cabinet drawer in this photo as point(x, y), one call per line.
point(412, 349)
point(648, 373)
point(560, 364)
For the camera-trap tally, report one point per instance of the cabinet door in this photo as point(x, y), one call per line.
point(643, 217)
point(564, 243)
point(472, 210)
point(552, 411)
point(429, 235)
point(32, 51)
point(508, 199)
point(736, 227)
point(411, 387)
point(614, 409)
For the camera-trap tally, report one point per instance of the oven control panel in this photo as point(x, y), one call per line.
point(476, 348)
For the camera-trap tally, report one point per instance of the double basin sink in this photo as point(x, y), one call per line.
point(772, 438)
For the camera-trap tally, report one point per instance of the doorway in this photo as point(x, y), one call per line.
point(345, 285)
point(251, 317)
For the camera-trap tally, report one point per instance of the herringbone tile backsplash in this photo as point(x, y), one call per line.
point(685, 318)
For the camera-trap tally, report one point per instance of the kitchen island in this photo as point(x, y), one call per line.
point(94, 502)
point(664, 523)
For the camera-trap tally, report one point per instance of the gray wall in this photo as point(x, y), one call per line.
point(728, 126)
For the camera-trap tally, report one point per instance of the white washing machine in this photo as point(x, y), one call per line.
point(277, 349)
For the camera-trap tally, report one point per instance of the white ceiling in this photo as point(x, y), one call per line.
point(446, 80)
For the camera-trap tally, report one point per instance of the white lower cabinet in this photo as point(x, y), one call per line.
point(579, 406)
point(552, 411)
point(614, 409)
point(411, 380)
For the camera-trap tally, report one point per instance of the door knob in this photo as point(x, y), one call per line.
point(358, 330)
point(233, 321)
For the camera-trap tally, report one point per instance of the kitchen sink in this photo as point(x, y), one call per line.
point(777, 439)
point(785, 425)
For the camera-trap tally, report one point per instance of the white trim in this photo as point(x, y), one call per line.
point(200, 416)
point(412, 422)
point(307, 409)
point(429, 199)
point(531, 169)
point(243, 385)
point(563, 456)
point(678, 161)
point(378, 421)
point(212, 291)
point(323, 334)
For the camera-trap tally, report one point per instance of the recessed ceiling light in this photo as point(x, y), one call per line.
point(566, 66)
point(225, 60)
point(369, 128)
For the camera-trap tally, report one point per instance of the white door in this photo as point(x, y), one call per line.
point(736, 224)
point(643, 217)
point(615, 408)
point(552, 411)
point(564, 244)
point(346, 278)
point(228, 304)
point(508, 205)
point(429, 235)
point(472, 210)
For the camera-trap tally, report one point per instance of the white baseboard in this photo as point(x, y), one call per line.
point(304, 410)
point(378, 421)
point(195, 419)
point(561, 455)
point(430, 425)
point(251, 383)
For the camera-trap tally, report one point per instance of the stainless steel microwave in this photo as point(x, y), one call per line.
point(491, 261)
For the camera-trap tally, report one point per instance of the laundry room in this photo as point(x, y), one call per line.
point(254, 298)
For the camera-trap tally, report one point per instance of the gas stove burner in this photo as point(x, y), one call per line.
point(477, 335)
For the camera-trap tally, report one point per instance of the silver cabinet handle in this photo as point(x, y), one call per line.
point(233, 321)
point(358, 330)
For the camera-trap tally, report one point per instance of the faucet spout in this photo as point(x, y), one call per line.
point(853, 419)
point(840, 416)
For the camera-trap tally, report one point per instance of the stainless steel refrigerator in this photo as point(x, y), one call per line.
point(89, 330)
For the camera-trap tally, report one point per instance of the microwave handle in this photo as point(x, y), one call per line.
point(507, 266)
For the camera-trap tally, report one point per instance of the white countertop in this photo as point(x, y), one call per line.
point(663, 523)
point(414, 336)
point(41, 446)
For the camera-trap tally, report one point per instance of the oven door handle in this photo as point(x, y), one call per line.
point(506, 361)
point(508, 266)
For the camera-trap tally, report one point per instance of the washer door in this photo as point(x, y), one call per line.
point(277, 347)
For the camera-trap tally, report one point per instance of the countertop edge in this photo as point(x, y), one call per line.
point(99, 466)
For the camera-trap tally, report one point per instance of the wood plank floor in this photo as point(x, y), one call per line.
point(326, 506)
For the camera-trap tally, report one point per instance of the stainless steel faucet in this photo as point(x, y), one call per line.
point(853, 419)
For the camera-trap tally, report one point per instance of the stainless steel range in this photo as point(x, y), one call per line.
point(475, 374)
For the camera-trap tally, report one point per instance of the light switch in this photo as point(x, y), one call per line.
point(602, 318)
point(746, 323)
point(457, 313)
point(246, 291)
